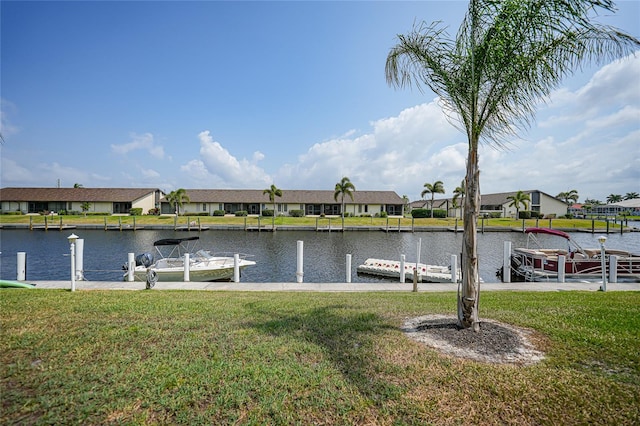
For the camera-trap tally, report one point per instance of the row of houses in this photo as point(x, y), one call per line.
point(254, 202)
point(201, 201)
point(499, 205)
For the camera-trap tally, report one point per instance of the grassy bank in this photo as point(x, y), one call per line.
point(307, 358)
point(350, 222)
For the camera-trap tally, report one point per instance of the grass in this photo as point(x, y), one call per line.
point(187, 357)
point(307, 221)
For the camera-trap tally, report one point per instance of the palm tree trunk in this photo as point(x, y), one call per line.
point(468, 297)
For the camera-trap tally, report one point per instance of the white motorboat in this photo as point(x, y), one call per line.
point(391, 269)
point(203, 265)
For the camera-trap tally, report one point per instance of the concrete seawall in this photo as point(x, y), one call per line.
point(330, 287)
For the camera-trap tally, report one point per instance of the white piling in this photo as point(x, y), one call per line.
point(21, 265)
point(402, 258)
point(187, 265)
point(300, 263)
point(236, 268)
point(506, 262)
point(348, 268)
point(73, 266)
point(454, 268)
point(80, 259)
point(562, 260)
point(417, 268)
point(131, 262)
point(613, 268)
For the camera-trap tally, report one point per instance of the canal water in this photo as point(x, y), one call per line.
point(275, 253)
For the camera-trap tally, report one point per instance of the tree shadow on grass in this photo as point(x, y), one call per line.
point(347, 337)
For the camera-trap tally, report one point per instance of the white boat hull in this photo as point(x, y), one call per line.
point(391, 269)
point(213, 270)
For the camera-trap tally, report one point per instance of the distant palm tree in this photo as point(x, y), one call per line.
point(517, 199)
point(344, 187)
point(459, 193)
point(436, 188)
point(273, 192)
point(568, 197)
point(405, 204)
point(177, 198)
point(85, 207)
point(614, 198)
point(631, 195)
point(78, 185)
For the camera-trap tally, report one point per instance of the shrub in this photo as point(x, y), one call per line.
point(267, 212)
point(495, 215)
point(440, 213)
point(241, 213)
point(420, 213)
point(218, 212)
point(136, 211)
point(13, 213)
point(424, 213)
point(296, 213)
point(524, 214)
point(154, 211)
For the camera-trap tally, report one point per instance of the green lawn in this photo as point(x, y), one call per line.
point(188, 357)
point(253, 221)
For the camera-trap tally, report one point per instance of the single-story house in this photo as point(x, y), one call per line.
point(631, 207)
point(103, 200)
point(310, 202)
point(499, 203)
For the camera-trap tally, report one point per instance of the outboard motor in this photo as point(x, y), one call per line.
point(144, 259)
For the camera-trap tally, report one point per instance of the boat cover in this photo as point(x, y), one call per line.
point(547, 231)
point(173, 241)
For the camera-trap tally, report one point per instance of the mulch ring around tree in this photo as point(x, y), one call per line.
point(495, 343)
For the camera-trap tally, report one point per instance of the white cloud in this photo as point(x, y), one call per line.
point(140, 142)
point(218, 166)
point(394, 155)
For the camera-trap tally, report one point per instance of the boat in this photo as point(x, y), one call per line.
point(169, 266)
point(391, 269)
point(535, 263)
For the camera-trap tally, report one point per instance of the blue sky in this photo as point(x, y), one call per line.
point(213, 94)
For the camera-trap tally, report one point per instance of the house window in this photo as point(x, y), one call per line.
point(204, 207)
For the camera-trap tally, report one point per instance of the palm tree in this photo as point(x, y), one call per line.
point(569, 197)
point(459, 193)
point(517, 199)
point(506, 56)
point(78, 185)
point(177, 198)
point(614, 198)
point(631, 195)
point(85, 207)
point(273, 192)
point(435, 188)
point(344, 187)
point(405, 204)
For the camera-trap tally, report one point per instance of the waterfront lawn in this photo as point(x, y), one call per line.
point(307, 221)
point(188, 357)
